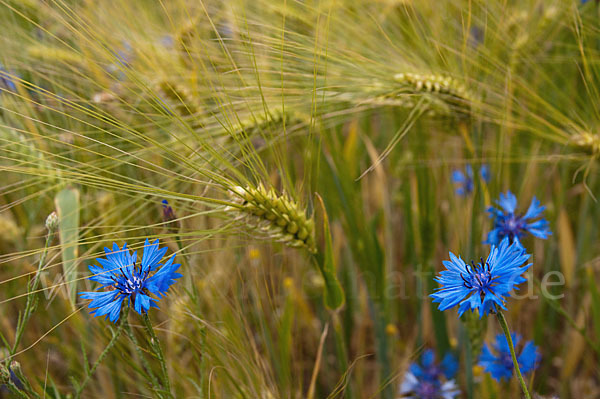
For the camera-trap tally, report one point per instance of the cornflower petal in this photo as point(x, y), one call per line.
point(485, 173)
point(500, 365)
point(101, 275)
point(458, 176)
point(160, 282)
point(534, 210)
point(464, 180)
point(428, 379)
point(99, 298)
point(529, 357)
point(508, 202)
point(508, 224)
point(449, 366)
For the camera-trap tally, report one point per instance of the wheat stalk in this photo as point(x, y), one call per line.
point(445, 91)
point(272, 121)
point(180, 95)
point(18, 147)
point(277, 216)
point(588, 141)
point(48, 53)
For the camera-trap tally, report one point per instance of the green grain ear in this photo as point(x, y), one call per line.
point(276, 216)
point(334, 294)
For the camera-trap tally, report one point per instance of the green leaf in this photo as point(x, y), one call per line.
point(67, 207)
point(334, 294)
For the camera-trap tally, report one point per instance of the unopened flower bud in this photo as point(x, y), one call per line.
point(169, 216)
point(15, 372)
point(52, 222)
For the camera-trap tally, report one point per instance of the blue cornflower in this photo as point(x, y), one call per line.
point(167, 41)
point(123, 58)
point(464, 181)
point(225, 30)
point(7, 82)
point(122, 279)
point(429, 380)
point(501, 365)
point(476, 36)
point(508, 224)
point(484, 285)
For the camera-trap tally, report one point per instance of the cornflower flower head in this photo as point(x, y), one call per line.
point(167, 41)
point(122, 59)
point(6, 81)
point(124, 54)
point(500, 364)
point(484, 285)
point(430, 380)
point(476, 36)
point(123, 279)
point(464, 180)
point(514, 226)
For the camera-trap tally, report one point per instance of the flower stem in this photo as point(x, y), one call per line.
point(31, 298)
point(111, 343)
point(151, 377)
point(155, 345)
point(506, 331)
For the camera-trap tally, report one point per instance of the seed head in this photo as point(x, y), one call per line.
point(588, 141)
point(52, 222)
point(444, 90)
point(276, 215)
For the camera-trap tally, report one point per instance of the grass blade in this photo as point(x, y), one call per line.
point(67, 207)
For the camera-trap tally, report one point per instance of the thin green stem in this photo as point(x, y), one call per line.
point(31, 302)
point(155, 345)
point(16, 382)
point(469, 363)
point(179, 243)
point(203, 366)
point(140, 353)
point(561, 310)
point(506, 331)
point(111, 343)
point(16, 391)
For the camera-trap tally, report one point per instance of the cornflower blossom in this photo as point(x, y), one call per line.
point(122, 278)
point(464, 180)
point(484, 285)
point(507, 223)
point(499, 362)
point(430, 380)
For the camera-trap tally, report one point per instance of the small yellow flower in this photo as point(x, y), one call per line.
point(477, 370)
point(453, 342)
point(391, 329)
point(254, 253)
point(288, 282)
